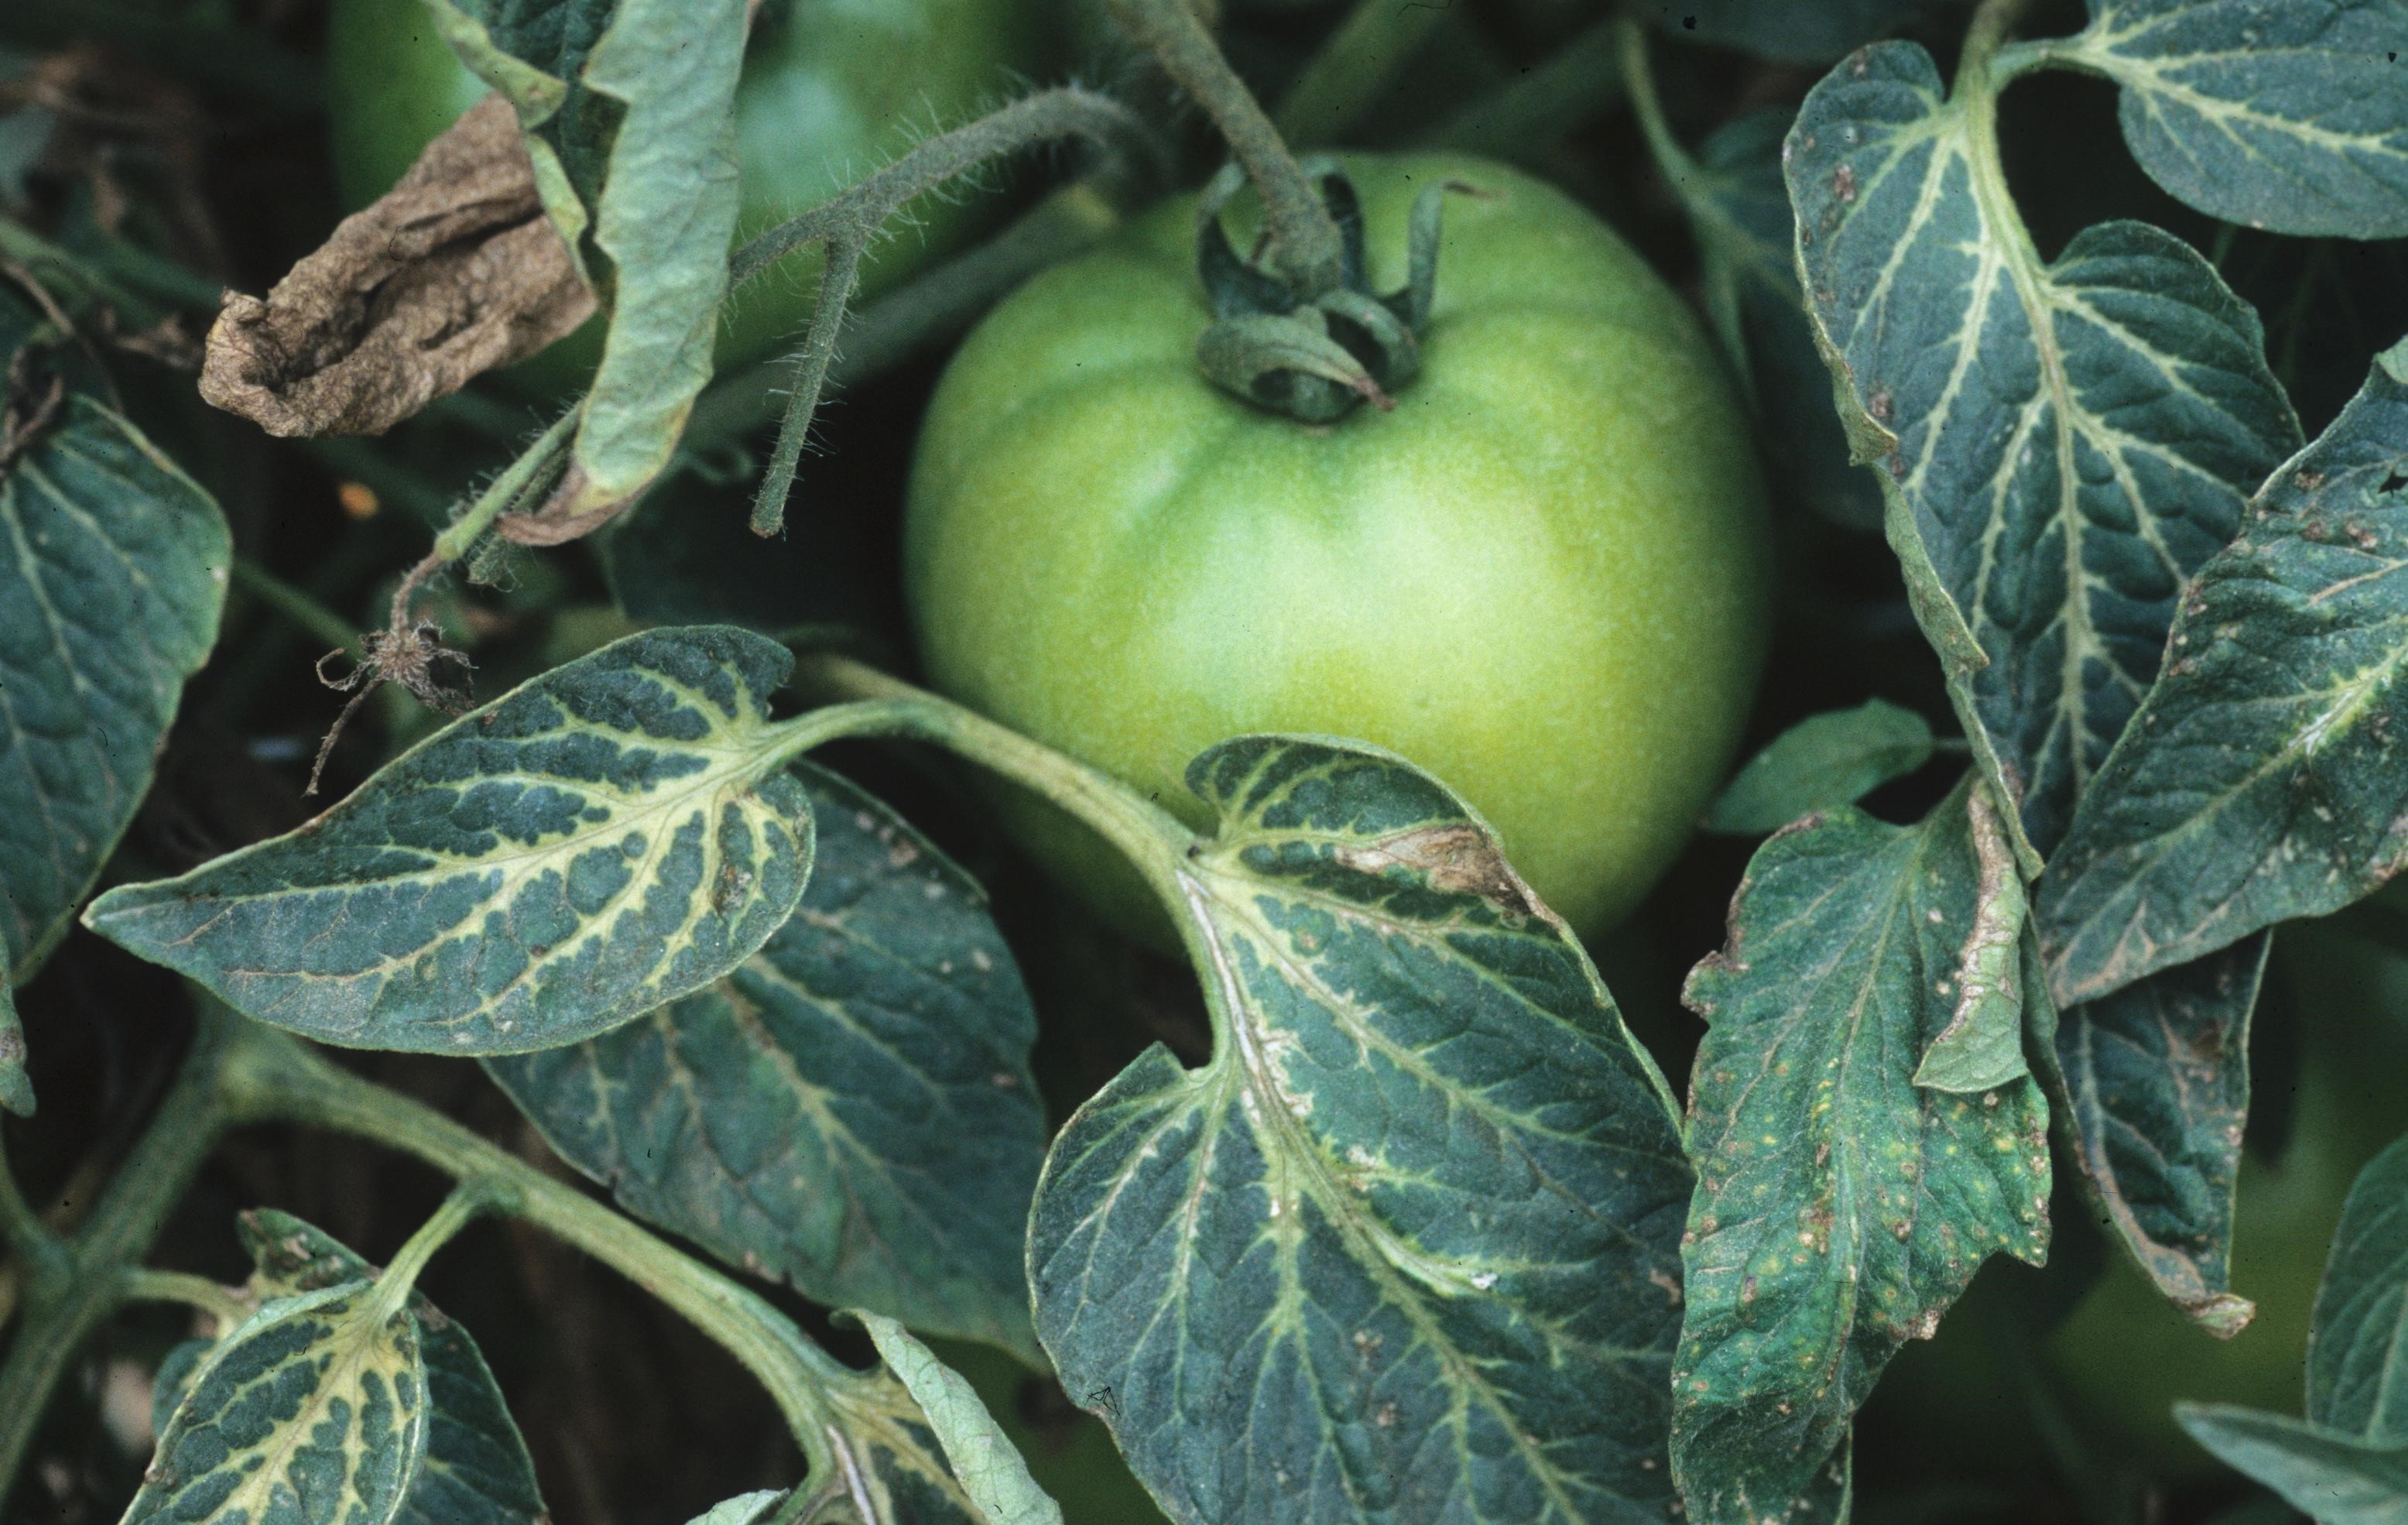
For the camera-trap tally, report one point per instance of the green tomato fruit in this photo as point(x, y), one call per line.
point(2125, 1357)
point(831, 90)
point(1543, 576)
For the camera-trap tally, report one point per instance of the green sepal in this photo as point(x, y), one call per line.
point(1314, 355)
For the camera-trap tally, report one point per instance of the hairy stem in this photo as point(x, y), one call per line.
point(1305, 245)
point(63, 1309)
point(921, 314)
point(274, 1077)
point(847, 222)
point(1353, 69)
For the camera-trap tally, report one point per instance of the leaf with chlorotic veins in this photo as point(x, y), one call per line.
point(2347, 1462)
point(2155, 1078)
point(1738, 205)
point(991, 1472)
point(1826, 761)
point(1407, 1246)
point(113, 568)
point(1782, 29)
point(313, 1410)
point(477, 1470)
point(2286, 115)
point(2062, 444)
point(605, 839)
point(16, 1087)
point(1840, 1206)
point(850, 1109)
point(2262, 781)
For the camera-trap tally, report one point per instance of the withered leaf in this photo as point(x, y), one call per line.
point(454, 271)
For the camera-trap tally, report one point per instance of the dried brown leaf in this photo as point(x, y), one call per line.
point(455, 270)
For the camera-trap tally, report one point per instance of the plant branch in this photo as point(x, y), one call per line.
point(919, 315)
point(22, 1231)
point(848, 221)
point(1361, 57)
point(1639, 78)
point(1305, 246)
point(1580, 81)
point(296, 604)
point(224, 1304)
point(62, 1312)
point(276, 1078)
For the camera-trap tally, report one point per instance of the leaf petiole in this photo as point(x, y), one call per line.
point(225, 1304)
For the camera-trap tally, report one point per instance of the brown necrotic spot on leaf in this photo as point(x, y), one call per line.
point(454, 271)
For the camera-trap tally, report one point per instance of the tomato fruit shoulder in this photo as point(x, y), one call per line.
point(1542, 576)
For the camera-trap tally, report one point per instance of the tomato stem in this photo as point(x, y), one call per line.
point(1306, 248)
point(846, 223)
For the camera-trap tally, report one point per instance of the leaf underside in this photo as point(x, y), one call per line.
point(851, 1109)
point(1841, 1208)
point(2157, 1081)
point(113, 569)
point(2262, 781)
point(991, 1472)
point(1405, 1248)
point(2063, 444)
point(601, 841)
point(16, 1087)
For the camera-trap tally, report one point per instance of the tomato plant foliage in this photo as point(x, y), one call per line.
point(1312, 572)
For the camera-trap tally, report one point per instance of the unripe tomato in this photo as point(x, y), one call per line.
point(832, 89)
point(1543, 576)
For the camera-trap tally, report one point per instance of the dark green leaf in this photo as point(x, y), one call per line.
point(1822, 762)
point(2157, 1079)
point(990, 1471)
point(16, 1087)
point(851, 1109)
point(174, 1379)
point(2261, 781)
point(1841, 1208)
point(312, 1412)
point(1405, 1247)
point(2358, 1354)
point(2338, 1478)
point(628, 107)
point(2063, 444)
point(1739, 206)
point(2290, 116)
point(664, 220)
point(606, 838)
point(477, 1470)
point(1792, 31)
point(113, 567)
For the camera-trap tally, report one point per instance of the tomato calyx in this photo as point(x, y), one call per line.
point(1314, 355)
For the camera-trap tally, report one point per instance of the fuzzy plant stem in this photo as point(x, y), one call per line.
point(1306, 248)
point(847, 223)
